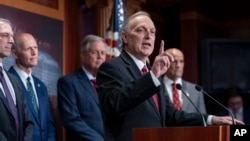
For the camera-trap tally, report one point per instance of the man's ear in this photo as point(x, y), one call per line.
point(124, 37)
point(82, 56)
point(14, 53)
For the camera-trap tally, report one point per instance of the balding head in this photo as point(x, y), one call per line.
point(25, 51)
point(175, 52)
point(176, 69)
point(21, 39)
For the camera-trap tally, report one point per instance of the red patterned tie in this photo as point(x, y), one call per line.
point(176, 100)
point(94, 83)
point(144, 70)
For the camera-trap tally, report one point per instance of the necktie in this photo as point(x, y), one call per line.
point(144, 70)
point(94, 83)
point(176, 100)
point(32, 95)
point(10, 100)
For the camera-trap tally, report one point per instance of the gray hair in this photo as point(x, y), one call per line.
point(4, 21)
point(126, 25)
point(85, 44)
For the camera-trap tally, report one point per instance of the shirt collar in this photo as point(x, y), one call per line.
point(89, 75)
point(22, 74)
point(138, 62)
point(169, 81)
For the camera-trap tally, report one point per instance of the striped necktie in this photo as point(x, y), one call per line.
point(32, 95)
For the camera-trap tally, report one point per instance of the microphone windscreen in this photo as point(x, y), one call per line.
point(178, 86)
point(198, 88)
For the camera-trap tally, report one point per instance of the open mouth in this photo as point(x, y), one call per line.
point(146, 44)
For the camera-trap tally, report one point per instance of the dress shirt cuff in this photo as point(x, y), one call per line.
point(155, 80)
point(209, 120)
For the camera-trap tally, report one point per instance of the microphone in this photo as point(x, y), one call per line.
point(198, 88)
point(179, 87)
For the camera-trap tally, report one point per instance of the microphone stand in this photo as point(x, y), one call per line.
point(179, 87)
point(198, 88)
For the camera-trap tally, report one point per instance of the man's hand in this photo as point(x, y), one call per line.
point(225, 120)
point(161, 62)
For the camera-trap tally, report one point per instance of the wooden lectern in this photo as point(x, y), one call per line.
point(194, 133)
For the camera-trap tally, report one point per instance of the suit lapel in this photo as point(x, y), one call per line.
point(19, 99)
point(4, 100)
point(29, 101)
point(131, 66)
point(40, 95)
point(136, 73)
point(86, 84)
point(162, 101)
point(185, 100)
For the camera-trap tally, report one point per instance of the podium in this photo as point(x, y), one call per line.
point(189, 133)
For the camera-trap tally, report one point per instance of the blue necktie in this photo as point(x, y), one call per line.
point(10, 100)
point(32, 95)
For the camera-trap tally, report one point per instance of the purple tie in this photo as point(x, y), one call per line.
point(9, 100)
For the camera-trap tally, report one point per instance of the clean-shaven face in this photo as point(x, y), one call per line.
point(27, 53)
point(6, 39)
point(176, 68)
point(95, 56)
point(140, 37)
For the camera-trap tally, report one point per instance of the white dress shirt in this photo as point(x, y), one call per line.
point(23, 75)
point(9, 84)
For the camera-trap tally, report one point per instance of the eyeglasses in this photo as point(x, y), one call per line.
point(6, 35)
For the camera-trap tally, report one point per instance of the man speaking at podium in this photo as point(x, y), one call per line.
point(130, 90)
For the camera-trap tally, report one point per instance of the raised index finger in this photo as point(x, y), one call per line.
point(161, 51)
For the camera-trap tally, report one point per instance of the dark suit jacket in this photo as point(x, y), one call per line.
point(7, 121)
point(126, 100)
point(44, 129)
point(79, 108)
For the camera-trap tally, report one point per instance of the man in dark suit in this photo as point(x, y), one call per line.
point(236, 105)
point(174, 75)
point(15, 123)
point(78, 102)
point(25, 52)
point(131, 95)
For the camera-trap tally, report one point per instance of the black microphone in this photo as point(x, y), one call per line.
point(198, 88)
point(179, 87)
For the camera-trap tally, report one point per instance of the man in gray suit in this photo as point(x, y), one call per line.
point(174, 74)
